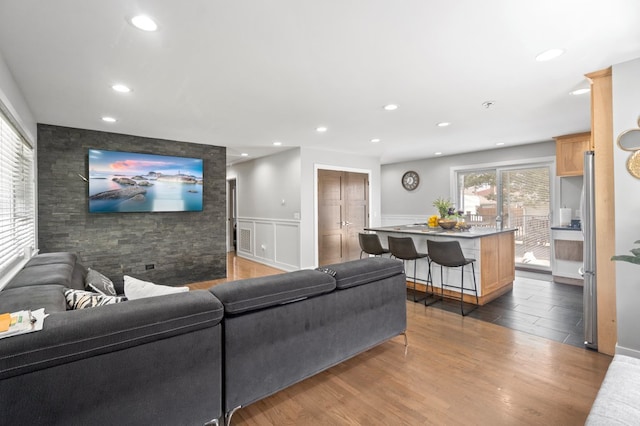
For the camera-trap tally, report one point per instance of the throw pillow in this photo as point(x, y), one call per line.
point(99, 283)
point(138, 289)
point(80, 299)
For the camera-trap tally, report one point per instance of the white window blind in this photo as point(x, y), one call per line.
point(17, 197)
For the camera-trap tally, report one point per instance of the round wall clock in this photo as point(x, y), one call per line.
point(410, 180)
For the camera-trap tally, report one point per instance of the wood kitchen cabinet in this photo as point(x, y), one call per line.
point(570, 153)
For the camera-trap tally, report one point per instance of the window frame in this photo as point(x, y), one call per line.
point(18, 205)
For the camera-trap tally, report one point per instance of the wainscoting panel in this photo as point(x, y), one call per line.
point(271, 242)
point(265, 238)
point(287, 247)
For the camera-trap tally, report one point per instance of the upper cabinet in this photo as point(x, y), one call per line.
point(570, 153)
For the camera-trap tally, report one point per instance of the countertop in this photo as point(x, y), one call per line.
point(422, 228)
point(565, 228)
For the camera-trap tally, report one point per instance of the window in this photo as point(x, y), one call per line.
point(17, 198)
point(520, 195)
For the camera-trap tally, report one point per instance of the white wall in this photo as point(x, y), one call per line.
point(269, 187)
point(268, 197)
point(15, 106)
point(311, 160)
point(285, 235)
point(435, 177)
point(626, 111)
point(12, 99)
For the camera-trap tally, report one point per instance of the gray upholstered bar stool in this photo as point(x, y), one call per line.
point(403, 248)
point(449, 254)
point(370, 244)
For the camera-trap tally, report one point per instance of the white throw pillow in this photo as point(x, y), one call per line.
point(138, 289)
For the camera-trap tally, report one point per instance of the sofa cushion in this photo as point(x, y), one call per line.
point(49, 297)
point(259, 293)
point(617, 399)
point(82, 334)
point(59, 274)
point(358, 272)
point(79, 276)
point(52, 258)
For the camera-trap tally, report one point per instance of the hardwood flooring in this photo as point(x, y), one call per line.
point(456, 371)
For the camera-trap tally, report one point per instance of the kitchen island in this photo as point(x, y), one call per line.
point(494, 251)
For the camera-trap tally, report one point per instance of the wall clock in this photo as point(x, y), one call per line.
point(410, 180)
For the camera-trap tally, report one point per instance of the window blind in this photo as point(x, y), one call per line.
point(17, 197)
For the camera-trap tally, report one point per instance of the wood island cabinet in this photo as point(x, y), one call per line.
point(570, 153)
point(497, 254)
point(494, 252)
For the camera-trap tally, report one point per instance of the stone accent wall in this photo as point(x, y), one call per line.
point(184, 247)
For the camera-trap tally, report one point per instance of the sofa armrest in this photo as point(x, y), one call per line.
point(74, 335)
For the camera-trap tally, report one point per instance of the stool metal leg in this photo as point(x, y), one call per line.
point(475, 290)
point(430, 282)
point(415, 272)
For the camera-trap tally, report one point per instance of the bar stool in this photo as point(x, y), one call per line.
point(449, 254)
point(370, 244)
point(403, 248)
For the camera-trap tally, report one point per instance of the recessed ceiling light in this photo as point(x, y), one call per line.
point(580, 92)
point(375, 140)
point(109, 119)
point(144, 23)
point(244, 154)
point(499, 143)
point(276, 143)
point(391, 107)
point(437, 153)
point(120, 88)
point(549, 55)
point(443, 124)
point(321, 129)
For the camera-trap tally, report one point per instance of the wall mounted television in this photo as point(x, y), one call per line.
point(134, 182)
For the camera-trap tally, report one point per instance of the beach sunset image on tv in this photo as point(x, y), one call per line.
point(132, 182)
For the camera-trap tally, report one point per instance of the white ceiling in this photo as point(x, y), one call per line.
point(245, 73)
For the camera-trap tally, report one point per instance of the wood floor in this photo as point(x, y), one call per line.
point(456, 371)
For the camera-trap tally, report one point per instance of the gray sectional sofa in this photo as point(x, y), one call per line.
point(187, 358)
point(146, 361)
point(279, 330)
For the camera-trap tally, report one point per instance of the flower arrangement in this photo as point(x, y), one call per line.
point(446, 209)
point(444, 206)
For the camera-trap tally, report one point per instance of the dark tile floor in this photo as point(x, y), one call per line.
point(536, 305)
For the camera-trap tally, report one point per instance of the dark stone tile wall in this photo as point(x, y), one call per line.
point(185, 247)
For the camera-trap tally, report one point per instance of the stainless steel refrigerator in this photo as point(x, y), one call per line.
point(589, 254)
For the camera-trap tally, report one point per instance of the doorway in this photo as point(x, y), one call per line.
point(526, 206)
point(232, 205)
point(517, 194)
point(343, 212)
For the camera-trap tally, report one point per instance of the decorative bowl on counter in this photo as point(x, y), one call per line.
point(463, 226)
point(447, 223)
